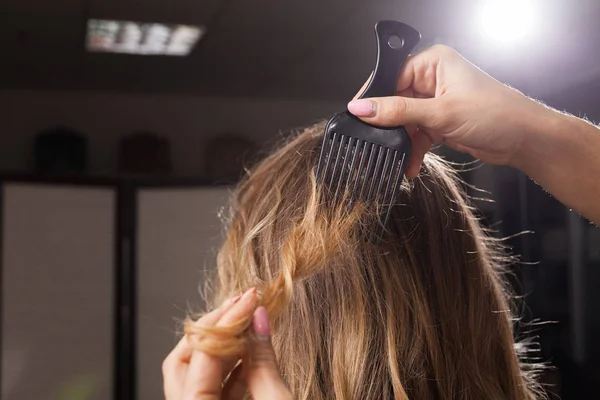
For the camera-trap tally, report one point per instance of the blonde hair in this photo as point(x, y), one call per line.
point(424, 315)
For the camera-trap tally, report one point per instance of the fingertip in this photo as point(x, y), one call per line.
point(414, 164)
point(412, 171)
point(241, 309)
point(363, 108)
point(412, 130)
point(375, 111)
point(261, 323)
point(249, 292)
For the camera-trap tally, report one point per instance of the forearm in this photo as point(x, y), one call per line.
point(562, 154)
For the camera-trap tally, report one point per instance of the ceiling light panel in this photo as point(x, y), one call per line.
point(143, 38)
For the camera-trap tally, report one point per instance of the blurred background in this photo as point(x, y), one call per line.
point(124, 123)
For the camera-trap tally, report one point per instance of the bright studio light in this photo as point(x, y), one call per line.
point(506, 21)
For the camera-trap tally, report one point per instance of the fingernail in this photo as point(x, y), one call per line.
point(363, 108)
point(235, 299)
point(260, 323)
point(249, 292)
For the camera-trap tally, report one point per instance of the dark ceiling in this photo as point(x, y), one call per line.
point(309, 49)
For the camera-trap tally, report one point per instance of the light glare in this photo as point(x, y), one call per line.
point(507, 21)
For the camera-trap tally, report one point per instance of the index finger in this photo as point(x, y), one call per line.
point(407, 75)
point(420, 73)
point(204, 376)
point(183, 351)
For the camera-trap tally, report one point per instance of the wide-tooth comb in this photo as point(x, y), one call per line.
point(362, 162)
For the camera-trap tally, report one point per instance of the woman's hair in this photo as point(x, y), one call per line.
point(426, 314)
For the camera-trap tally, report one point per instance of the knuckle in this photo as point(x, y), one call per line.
point(399, 109)
point(263, 361)
point(263, 358)
point(438, 47)
point(390, 109)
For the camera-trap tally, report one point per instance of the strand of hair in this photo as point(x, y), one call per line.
point(374, 150)
point(376, 172)
point(366, 151)
point(338, 162)
point(392, 174)
point(345, 169)
point(354, 175)
point(329, 156)
point(385, 176)
point(395, 190)
point(326, 144)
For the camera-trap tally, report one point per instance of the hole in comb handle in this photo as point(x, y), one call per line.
point(396, 42)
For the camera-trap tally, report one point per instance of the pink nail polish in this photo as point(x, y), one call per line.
point(362, 108)
point(260, 323)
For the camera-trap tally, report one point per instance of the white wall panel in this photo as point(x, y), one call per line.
point(57, 292)
point(178, 233)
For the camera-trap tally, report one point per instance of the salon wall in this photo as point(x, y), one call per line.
point(187, 121)
point(104, 117)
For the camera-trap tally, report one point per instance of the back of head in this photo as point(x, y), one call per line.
point(423, 315)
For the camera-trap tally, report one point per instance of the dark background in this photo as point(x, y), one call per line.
point(267, 66)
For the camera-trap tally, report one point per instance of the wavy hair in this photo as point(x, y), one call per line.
point(427, 314)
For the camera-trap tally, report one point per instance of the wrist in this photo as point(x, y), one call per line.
point(542, 129)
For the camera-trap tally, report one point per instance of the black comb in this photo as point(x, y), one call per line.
point(362, 162)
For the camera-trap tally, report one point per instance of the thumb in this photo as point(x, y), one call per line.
point(394, 110)
point(260, 367)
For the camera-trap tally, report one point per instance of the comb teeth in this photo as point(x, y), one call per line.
point(358, 170)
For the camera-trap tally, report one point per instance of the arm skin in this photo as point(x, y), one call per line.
point(562, 154)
